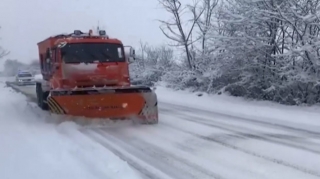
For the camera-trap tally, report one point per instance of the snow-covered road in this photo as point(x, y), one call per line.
point(227, 139)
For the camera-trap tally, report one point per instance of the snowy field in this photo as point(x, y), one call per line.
point(197, 138)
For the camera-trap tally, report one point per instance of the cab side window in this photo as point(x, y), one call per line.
point(41, 62)
point(54, 57)
point(47, 61)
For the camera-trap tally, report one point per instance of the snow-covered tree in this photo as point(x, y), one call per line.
point(11, 67)
point(152, 63)
point(3, 52)
point(272, 45)
point(262, 49)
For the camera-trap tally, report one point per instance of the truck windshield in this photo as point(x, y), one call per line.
point(90, 52)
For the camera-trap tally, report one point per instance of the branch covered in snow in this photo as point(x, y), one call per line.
point(262, 49)
point(176, 29)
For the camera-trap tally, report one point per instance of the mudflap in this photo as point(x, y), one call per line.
point(138, 104)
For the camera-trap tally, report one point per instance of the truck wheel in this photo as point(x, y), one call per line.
point(41, 97)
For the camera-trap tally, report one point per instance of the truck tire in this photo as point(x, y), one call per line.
point(41, 97)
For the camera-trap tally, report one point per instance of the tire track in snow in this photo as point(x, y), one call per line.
point(154, 156)
point(283, 139)
point(178, 108)
point(280, 139)
point(171, 159)
point(137, 143)
point(134, 161)
point(240, 149)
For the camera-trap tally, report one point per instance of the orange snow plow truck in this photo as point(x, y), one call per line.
point(87, 75)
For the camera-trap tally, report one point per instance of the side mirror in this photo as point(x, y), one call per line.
point(131, 55)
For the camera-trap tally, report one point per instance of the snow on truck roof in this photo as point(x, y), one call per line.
point(23, 72)
point(79, 34)
point(59, 34)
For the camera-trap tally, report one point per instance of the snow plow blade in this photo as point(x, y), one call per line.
point(138, 103)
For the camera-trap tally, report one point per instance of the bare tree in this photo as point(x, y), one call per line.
point(204, 23)
point(143, 48)
point(181, 37)
point(3, 52)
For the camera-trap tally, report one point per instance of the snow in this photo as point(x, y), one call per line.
point(54, 35)
point(38, 77)
point(198, 136)
point(80, 67)
point(33, 148)
point(238, 106)
point(296, 116)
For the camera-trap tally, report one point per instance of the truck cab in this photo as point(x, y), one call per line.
point(86, 74)
point(85, 60)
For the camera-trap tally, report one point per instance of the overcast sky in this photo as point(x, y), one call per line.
point(26, 22)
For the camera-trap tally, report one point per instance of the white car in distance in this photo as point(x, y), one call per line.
point(25, 78)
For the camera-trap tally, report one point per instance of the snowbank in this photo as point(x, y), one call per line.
point(38, 77)
point(33, 148)
point(308, 117)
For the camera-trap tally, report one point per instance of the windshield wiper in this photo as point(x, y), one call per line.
point(106, 55)
point(93, 56)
